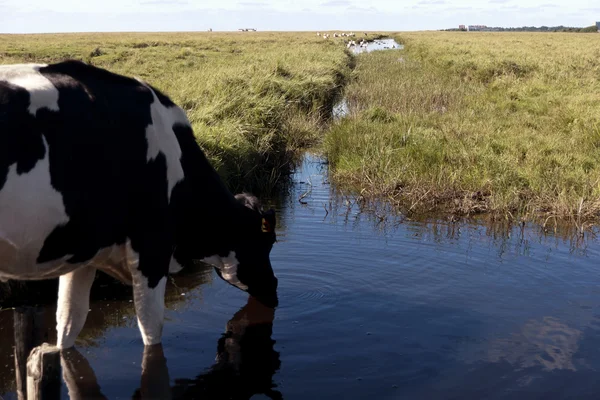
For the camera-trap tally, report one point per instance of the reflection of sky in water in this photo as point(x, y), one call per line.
point(378, 44)
point(547, 343)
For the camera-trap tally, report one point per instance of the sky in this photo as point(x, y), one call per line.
point(35, 16)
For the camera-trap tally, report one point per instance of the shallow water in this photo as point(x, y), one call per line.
point(378, 44)
point(374, 308)
point(342, 109)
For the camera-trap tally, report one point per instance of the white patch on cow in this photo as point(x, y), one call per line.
point(73, 304)
point(42, 92)
point(117, 261)
point(30, 209)
point(131, 257)
point(149, 306)
point(162, 139)
point(228, 267)
point(174, 266)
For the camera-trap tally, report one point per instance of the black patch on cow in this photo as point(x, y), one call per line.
point(20, 135)
point(97, 149)
point(211, 221)
point(150, 227)
point(202, 206)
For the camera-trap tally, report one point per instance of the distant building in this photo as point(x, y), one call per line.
point(598, 26)
point(462, 28)
point(477, 27)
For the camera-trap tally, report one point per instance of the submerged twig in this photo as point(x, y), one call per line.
point(309, 191)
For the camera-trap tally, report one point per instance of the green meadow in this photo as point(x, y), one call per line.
point(472, 122)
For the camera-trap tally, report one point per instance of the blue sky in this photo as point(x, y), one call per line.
point(24, 16)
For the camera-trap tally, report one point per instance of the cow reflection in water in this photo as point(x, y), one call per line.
point(245, 365)
point(245, 362)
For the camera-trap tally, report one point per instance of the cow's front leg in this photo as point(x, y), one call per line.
point(73, 304)
point(149, 282)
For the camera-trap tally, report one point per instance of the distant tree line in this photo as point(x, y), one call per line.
point(560, 28)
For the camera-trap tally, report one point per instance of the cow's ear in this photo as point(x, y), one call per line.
point(268, 221)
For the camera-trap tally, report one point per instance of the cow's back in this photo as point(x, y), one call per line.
point(81, 151)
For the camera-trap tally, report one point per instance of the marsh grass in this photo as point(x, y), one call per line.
point(254, 99)
point(464, 123)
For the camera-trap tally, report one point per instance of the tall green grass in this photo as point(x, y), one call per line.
point(507, 123)
point(254, 99)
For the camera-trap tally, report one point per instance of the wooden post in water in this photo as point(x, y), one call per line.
point(43, 373)
point(28, 333)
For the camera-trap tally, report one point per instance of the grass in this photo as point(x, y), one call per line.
point(505, 123)
point(254, 99)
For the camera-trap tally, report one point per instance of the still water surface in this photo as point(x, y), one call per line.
point(378, 44)
point(368, 309)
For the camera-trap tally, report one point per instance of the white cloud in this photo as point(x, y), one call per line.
point(433, 2)
point(253, 4)
point(337, 3)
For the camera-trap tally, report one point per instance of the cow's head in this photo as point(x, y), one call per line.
point(246, 264)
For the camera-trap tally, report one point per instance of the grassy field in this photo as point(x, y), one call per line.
point(253, 98)
point(507, 123)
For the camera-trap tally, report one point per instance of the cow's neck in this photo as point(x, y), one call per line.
point(206, 212)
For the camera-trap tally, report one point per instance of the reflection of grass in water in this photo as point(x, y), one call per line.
point(14, 293)
point(33, 293)
point(501, 233)
point(506, 123)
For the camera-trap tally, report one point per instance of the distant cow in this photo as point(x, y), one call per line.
point(101, 171)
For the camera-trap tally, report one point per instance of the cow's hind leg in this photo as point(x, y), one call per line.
point(73, 304)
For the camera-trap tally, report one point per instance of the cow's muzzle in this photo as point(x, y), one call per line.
point(266, 293)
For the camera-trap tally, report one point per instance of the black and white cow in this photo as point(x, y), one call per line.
point(102, 171)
